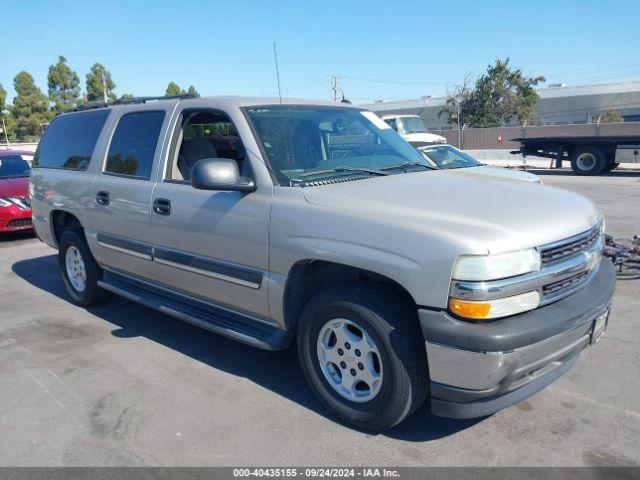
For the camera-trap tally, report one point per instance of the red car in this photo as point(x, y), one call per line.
point(15, 206)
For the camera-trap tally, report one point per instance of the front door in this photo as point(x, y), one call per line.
point(211, 244)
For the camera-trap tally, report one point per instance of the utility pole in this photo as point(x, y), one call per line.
point(336, 87)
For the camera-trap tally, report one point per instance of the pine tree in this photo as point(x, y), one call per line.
point(173, 89)
point(30, 110)
point(192, 91)
point(64, 86)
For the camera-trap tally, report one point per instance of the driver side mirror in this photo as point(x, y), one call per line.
point(220, 174)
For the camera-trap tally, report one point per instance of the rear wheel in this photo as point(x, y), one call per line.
point(588, 161)
point(362, 353)
point(79, 270)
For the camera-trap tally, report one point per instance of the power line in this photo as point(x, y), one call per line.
point(392, 82)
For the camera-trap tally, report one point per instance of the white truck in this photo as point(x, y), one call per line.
point(411, 127)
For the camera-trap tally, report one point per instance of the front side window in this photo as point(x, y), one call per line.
point(392, 123)
point(204, 134)
point(448, 157)
point(313, 142)
point(69, 140)
point(411, 125)
point(133, 145)
point(13, 166)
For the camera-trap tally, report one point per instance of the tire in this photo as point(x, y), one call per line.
point(391, 323)
point(87, 293)
point(588, 161)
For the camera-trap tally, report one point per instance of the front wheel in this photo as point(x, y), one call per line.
point(362, 353)
point(79, 270)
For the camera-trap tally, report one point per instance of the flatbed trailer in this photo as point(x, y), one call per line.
point(589, 155)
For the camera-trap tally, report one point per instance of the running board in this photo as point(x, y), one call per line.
point(224, 321)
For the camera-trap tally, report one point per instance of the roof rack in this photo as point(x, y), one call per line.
point(128, 101)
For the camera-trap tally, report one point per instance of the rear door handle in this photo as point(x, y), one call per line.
point(162, 206)
point(102, 198)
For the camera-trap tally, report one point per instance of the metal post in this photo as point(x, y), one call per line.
point(104, 88)
point(4, 128)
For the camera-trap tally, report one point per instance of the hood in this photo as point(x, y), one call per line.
point(424, 137)
point(14, 187)
point(499, 172)
point(484, 213)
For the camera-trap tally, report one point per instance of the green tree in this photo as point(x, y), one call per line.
point(8, 121)
point(173, 89)
point(30, 110)
point(192, 91)
point(499, 96)
point(126, 96)
point(610, 116)
point(97, 80)
point(64, 86)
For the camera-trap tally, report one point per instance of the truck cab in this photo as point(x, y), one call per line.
point(412, 129)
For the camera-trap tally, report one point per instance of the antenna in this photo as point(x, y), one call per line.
point(275, 57)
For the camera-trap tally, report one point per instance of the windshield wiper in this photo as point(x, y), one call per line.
point(406, 165)
point(343, 169)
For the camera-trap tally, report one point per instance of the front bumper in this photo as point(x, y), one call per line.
point(15, 218)
point(479, 368)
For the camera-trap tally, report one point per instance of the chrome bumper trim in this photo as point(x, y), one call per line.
point(497, 372)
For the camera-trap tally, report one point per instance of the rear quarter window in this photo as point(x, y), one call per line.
point(134, 143)
point(69, 141)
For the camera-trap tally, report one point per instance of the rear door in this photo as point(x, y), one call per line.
point(120, 229)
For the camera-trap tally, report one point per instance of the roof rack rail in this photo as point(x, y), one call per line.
point(128, 101)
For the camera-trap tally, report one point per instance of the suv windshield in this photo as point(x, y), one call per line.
point(307, 143)
point(12, 166)
point(411, 125)
point(447, 157)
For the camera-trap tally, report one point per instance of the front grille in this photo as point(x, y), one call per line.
point(24, 222)
point(565, 284)
point(570, 247)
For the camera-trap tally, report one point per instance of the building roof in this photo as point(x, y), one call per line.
point(556, 91)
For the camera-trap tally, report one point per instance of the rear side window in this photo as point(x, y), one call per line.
point(69, 141)
point(133, 145)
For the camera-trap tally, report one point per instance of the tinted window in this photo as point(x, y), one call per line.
point(12, 166)
point(69, 141)
point(134, 144)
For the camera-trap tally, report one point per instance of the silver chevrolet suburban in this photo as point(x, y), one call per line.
point(274, 221)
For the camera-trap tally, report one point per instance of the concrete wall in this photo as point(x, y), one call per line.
point(30, 147)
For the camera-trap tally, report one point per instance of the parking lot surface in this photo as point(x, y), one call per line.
point(123, 385)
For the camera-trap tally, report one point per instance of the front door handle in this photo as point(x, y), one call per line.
point(162, 206)
point(102, 198)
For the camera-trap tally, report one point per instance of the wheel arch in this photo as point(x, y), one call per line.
point(62, 220)
point(308, 277)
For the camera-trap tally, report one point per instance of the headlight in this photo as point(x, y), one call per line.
point(11, 201)
point(500, 307)
point(494, 267)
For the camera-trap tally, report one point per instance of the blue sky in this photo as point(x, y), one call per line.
point(383, 49)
